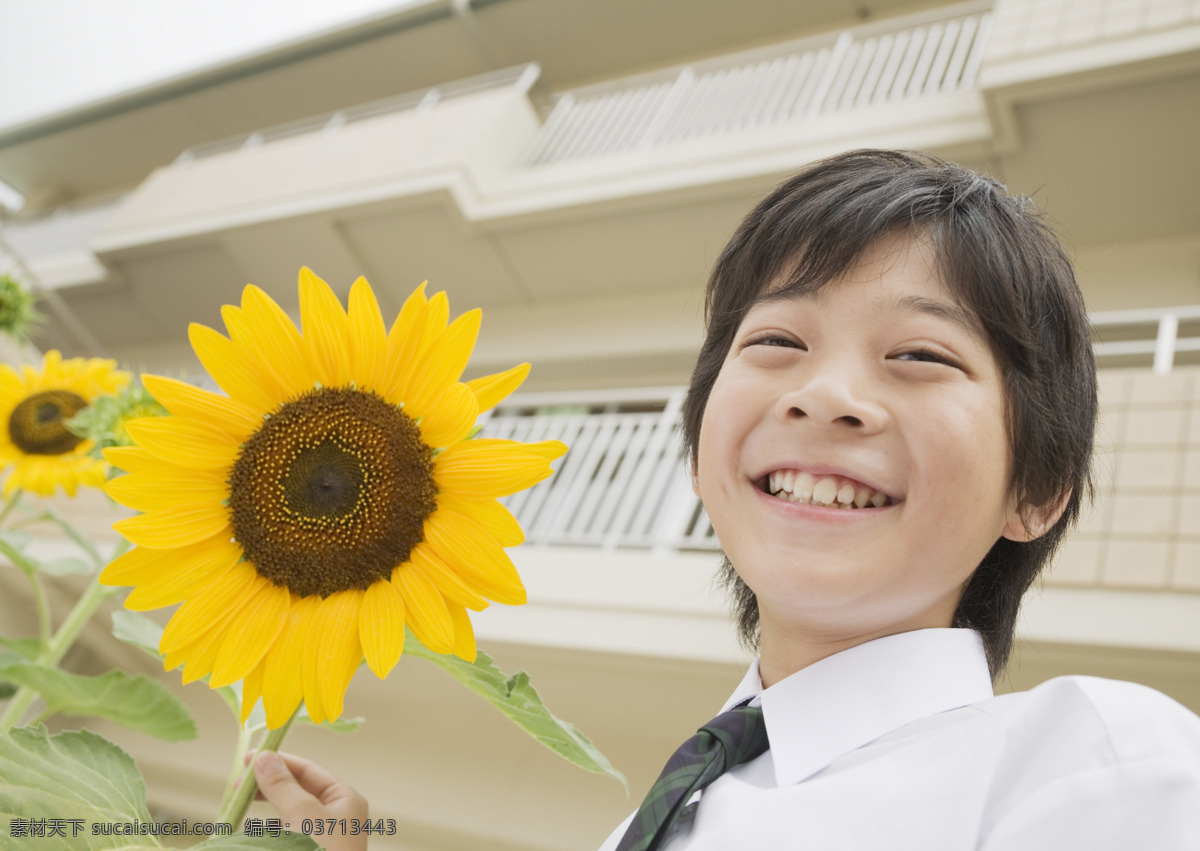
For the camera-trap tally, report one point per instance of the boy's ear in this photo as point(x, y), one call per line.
point(1029, 522)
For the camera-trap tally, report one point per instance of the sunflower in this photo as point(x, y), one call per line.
point(36, 406)
point(330, 499)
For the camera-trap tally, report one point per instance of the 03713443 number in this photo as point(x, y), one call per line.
point(348, 827)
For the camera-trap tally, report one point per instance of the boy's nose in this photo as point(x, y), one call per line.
point(830, 399)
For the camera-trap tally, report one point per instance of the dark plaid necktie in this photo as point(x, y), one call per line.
point(730, 739)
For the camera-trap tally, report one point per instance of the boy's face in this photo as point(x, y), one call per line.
point(880, 391)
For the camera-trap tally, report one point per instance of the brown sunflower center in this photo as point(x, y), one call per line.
point(332, 492)
point(37, 424)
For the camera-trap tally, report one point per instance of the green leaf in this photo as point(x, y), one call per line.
point(138, 630)
point(74, 775)
point(16, 650)
point(24, 648)
point(286, 841)
point(516, 697)
point(17, 540)
point(64, 566)
point(138, 703)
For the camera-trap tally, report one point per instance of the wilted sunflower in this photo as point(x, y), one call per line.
point(330, 499)
point(36, 406)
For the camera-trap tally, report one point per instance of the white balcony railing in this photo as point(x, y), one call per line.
point(1127, 334)
point(623, 484)
point(877, 63)
point(521, 78)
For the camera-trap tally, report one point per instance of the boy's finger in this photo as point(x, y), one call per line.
point(278, 786)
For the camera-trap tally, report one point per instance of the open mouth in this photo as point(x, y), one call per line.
point(830, 491)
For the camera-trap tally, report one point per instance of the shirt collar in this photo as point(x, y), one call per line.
point(853, 697)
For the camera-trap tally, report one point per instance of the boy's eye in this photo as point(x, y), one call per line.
point(775, 340)
point(925, 356)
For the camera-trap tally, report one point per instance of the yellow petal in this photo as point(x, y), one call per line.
point(465, 547)
point(188, 401)
point(310, 673)
point(493, 516)
point(235, 324)
point(325, 330)
point(152, 491)
point(252, 688)
point(489, 467)
point(283, 667)
point(368, 339)
point(250, 633)
point(138, 565)
point(491, 390)
point(209, 609)
point(464, 633)
point(444, 362)
point(188, 443)
point(277, 343)
point(133, 459)
point(449, 583)
point(166, 577)
point(175, 527)
point(403, 341)
point(198, 656)
point(381, 627)
point(340, 648)
point(451, 417)
point(424, 608)
point(232, 368)
point(437, 311)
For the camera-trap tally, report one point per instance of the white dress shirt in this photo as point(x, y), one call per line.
point(899, 743)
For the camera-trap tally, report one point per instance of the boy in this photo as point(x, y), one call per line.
point(890, 425)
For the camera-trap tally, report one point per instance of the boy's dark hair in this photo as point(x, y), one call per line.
point(1000, 260)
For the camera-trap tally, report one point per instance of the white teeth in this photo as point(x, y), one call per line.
point(825, 491)
point(804, 488)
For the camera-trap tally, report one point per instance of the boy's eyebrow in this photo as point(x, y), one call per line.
point(920, 304)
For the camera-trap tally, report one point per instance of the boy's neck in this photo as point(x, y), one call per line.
point(784, 652)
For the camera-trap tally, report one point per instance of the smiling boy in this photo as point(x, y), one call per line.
point(890, 425)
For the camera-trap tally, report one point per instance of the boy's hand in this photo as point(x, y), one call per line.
point(300, 789)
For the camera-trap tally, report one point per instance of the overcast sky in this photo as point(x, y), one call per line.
point(60, 54)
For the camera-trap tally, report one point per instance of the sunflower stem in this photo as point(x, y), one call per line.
point(234, 811)
point(11, 503)
point(239, 765)
point(29, 568)
point(57, 647)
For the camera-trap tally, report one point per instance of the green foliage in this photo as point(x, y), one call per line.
point(138, 703)
point(13, 544)
point(138, 630)
point(80, 775)
point(104, 419)
point(77, 775)
point(516, 697)
point(17, 316)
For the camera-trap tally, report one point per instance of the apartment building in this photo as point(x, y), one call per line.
point(573, 168)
